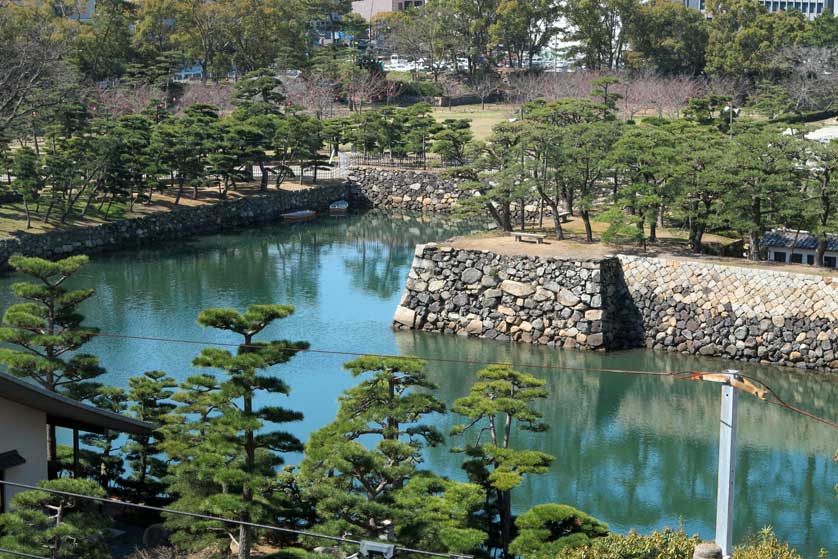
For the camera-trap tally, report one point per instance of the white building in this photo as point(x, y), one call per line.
point(809, 8)
point(368, 9)
point(799, 247)
point(25, 412)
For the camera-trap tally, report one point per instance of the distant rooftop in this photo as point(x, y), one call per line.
point(790, 238)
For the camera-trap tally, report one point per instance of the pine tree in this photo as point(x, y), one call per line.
point(361, 468)
point(499, 403)
point(107, 463)
point(47, 329)
point(545, 531)
point(57, 526)
point(149, 395)
point(224, 442)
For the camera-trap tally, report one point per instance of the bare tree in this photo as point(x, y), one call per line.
point(121, 99)
point(484, 85)
point(812, 82)
point(363, 87)
point(218, 95)
point(33, 70)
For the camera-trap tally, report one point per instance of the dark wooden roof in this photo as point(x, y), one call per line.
point(10, 459)
point(66, 412)
point(785, 238)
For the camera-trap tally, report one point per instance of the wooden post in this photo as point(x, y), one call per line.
point(76, 466)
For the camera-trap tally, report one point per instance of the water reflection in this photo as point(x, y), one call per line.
point(635, 451)
point(640, 451)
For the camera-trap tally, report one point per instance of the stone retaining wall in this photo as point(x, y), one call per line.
point(550, 301)
point(734, 312)
point(173, 225)
point(620, 302)
point(407, 190)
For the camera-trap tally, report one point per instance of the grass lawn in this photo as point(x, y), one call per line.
point(482, 121)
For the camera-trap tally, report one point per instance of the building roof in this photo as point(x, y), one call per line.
point(66, 412)
point(787, 238)
point(11, 459)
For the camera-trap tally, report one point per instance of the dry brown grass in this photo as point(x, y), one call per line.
point(672, 245)
point(13, 218)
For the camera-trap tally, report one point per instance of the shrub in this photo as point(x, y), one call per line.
point(665, 544)
point(765, 545)
point(545, 530)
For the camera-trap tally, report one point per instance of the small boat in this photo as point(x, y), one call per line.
point(339, 208)
point(301, 215)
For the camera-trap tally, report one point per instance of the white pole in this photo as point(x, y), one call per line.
point(727, 468)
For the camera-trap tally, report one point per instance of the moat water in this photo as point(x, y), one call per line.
point(637, 452)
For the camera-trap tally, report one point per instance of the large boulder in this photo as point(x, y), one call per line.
point(517, 289)
point(471, 275)
point(405, 316)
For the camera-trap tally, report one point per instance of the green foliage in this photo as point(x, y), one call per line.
point(223, 447)
point(150, 400)
point(48, 329)
point(501, 400)
point(546, 530)
point(599, 28)
point(668, 37)
point(664, 544)
point(47, 524)
point(451, 140)
point(355, 464)
point(436, 513)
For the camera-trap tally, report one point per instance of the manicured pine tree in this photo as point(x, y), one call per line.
point(107, 461)
point(47, 331)
point(546, 530)
point(500, 403)
point(27, 182)
point(150, 396)
point(57, 526)
point(360, 468)
point(234, 451)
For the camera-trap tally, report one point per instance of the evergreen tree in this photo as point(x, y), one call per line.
point(546, 530)
point(106, 460)
point(226, 443)
point(362, 468)
point(27, 182)
point(47, 330)
point(57, 526)
point(758, 173)
point(500, 403)
point(354, 482)
point(150, 396)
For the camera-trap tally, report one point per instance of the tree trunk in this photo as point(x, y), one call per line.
point(263, 182)
point(28, 214)
point(586, 219)
point(505, 511)
point(180, 181)
point(653, 231)
point(753, 251)
point(50, 207)
point(822, 240)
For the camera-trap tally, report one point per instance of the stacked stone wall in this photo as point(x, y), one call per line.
point(173, 225)
point(551, 301)
point(745, 314)
point(407, 190)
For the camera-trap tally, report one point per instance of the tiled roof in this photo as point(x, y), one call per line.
point(786, 238)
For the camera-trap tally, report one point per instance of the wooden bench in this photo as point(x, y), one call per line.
point(539, 237)
point(564, 217)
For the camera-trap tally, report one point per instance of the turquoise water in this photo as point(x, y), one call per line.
point(637, 452)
